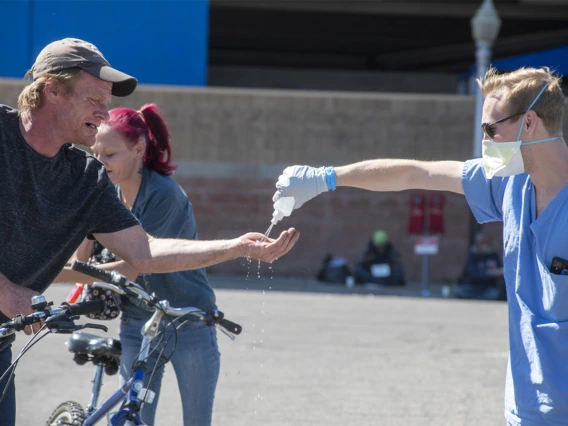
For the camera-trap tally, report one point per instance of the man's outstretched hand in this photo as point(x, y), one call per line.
point(259, 247)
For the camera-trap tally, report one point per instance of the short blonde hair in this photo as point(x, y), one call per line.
point(30, 97)
point(519, 88)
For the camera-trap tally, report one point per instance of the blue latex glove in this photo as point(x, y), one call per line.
point(304, 183)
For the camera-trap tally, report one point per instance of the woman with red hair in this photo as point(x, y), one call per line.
point(135, 149)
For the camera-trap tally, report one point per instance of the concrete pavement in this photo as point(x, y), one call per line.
point(313, 354)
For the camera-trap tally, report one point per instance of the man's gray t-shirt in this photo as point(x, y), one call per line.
point(48, 205)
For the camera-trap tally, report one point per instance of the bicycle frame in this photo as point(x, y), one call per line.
point(110, 403)
point(133, 394)
point(132, 388)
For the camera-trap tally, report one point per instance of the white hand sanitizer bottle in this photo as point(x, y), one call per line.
point(283, 207)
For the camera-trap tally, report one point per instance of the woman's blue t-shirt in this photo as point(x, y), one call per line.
point(164, 211)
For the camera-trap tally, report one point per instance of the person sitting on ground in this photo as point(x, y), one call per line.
point(334, 270)
point(483, 274)
point(380, 262)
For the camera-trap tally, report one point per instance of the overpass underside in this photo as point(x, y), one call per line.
point(341, 38)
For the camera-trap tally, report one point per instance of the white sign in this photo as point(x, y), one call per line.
point(380, 270)
point(426, 245)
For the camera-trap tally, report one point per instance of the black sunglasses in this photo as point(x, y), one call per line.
point(488, 127)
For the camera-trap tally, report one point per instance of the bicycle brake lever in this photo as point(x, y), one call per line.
point(61, 324)
point(96, 326)
point(225, 332)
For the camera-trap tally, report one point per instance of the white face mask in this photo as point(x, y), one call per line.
point(505, 158)
point(502, 158)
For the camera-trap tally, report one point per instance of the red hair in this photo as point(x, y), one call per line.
point(149, 125)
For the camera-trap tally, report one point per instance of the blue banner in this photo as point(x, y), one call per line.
point(157, 41)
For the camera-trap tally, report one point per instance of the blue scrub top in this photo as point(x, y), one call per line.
point(537, 375)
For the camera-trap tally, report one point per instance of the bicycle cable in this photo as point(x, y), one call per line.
point(23, 351)
point(14, 364)
point(151, 377)
point(161, 334)
point(171, 323)
point(157, 365)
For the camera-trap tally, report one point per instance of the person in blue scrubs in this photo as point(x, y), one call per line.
point(521, 180)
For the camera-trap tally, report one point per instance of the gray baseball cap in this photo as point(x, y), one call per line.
point(74, 53)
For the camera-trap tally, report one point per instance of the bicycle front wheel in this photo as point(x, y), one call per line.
point(69, 413)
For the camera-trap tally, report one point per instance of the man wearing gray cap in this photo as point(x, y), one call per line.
point(53, 194)
point(74, 53)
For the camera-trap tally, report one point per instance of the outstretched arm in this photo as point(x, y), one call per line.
point(69, 275)
point(305, 182)
point(399, 175)
point(147, 254)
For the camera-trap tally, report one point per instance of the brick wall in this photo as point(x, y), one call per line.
point(231, 145)
point(340, 223)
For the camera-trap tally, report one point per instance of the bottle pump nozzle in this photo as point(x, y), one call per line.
point(283, 207)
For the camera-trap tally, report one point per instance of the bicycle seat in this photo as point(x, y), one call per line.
point(90, 344)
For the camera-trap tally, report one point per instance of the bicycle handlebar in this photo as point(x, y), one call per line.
point(218, 316)
point(112, 277)
point(85, 308)
point(82, 308)
point(117, 282)
point(113, 281)
point(178, 312)
point(231, 326)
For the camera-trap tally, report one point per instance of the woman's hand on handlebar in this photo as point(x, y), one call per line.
point(259, 247)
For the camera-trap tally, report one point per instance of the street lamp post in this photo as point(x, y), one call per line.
point(485, 26)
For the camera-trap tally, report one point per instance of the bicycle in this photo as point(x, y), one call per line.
point(105, 354)
point(57, 320)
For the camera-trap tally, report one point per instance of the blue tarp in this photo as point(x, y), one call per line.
point(556, 59)
point(157, 41)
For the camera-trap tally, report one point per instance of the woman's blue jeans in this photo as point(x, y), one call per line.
point(196, 361)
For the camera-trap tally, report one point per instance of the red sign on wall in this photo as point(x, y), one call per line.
point(426, 219)
point(436, 214)
point(417, 214)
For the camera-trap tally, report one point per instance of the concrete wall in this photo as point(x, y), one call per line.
point(231, 145)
